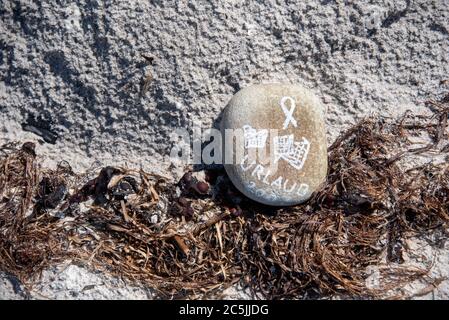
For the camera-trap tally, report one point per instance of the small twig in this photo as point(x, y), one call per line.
point(210, 222)
point(154, 194)
point(181, 244)
point(124, 212)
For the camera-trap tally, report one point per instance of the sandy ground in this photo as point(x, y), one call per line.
point(74, 70)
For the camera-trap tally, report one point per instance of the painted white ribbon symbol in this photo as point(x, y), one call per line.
point(288, 112)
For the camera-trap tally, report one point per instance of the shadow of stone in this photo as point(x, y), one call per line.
point(214, 166)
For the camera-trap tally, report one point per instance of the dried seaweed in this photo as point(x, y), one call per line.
point(195, 238)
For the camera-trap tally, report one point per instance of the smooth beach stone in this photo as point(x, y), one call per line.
point(287, 123)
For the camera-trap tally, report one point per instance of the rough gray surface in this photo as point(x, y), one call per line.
point(76, 66)
point(79, 64)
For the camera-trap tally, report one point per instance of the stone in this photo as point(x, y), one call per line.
point(274, 143)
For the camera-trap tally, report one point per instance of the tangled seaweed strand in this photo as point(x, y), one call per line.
point(195, 238)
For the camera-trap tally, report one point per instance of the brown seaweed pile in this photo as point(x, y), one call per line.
point(197, 237)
